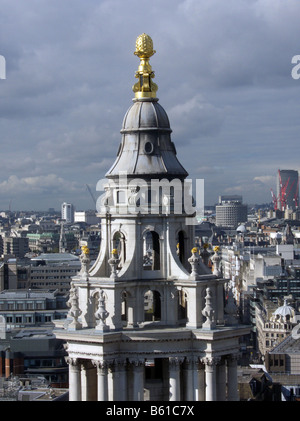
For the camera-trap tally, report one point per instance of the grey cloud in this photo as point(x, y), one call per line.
point(224, 75)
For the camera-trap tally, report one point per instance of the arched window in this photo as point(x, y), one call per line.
point(181, 247)
point(182, 304)
point(124, 307)
point(119, 244)
point(151, 251)
point(152, 306)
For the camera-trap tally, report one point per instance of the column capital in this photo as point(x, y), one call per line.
point(100, 365)
point(175, 362)
point(137, 362)
point(233, 358)
point(72, 361)
point(211, 361)
point(189, 362)
point(121, 363)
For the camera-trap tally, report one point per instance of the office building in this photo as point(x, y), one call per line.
point(231, 212)
point(287, 189)
point(15, 246)
point(67, 212)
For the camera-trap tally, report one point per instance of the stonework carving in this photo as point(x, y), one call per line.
point(216, 259)
point(231, 308)
point(101, 313)
point(74, 311)
point(113, 263)
point(208, 311)
point(74, 362)
point(211, 361)
point(85, 262)
point(194, 261)
point(205, 254)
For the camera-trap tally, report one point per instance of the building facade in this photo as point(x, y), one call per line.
point(53, 271)
point(287, 189)
point(24, 308)
point(147, 320)
point(15, 246)
point(67, 212)
point(231, 212)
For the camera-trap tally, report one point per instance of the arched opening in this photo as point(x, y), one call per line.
point(151, 251)
point(119, 244)
point(152, 306)
point(124, 307)
point(181, 247)
point(182, 305)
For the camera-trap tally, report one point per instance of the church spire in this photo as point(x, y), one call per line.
point(145, 87)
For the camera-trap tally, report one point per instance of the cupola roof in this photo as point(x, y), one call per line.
point(285, 310)
point(146, 149)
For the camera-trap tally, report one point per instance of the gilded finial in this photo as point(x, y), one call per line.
point(85, 250)
point(145, 87)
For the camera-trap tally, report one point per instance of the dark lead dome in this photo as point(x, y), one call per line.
point(146, 148)
point(146, 114)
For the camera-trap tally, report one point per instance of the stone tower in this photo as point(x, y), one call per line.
point(147, 320)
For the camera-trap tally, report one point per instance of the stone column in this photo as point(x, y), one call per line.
point(232, 378)
point(199, 380)
point(221, 381)
point(132, 315)
point(174, 379)
point(188, 379)
point(74, 379)
point(210, 378)
point(88, 381)
point(102, 384)
point(138, 379)
point(110, 380)
point(120, 380)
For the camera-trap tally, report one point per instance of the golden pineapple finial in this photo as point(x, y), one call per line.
point(144, 88)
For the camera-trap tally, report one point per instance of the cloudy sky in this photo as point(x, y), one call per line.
point(223, 70)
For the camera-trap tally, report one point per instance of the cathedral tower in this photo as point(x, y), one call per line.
point(149, 308)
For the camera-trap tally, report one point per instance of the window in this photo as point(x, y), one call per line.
point(121, 196)
point(180, 247)
point(152, 306)
point(120, 245)
point(182, 304)
point(151, 251)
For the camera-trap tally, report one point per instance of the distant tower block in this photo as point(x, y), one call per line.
point(67, 212)
point(288, 189)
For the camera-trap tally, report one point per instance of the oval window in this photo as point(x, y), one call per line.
point(148, 147)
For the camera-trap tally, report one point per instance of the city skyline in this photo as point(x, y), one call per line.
point(224, 76)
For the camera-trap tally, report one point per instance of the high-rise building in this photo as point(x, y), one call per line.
point(149, 320)
point(287, 189)
point(231, 212)
point(67, 212)
point(15, 246)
